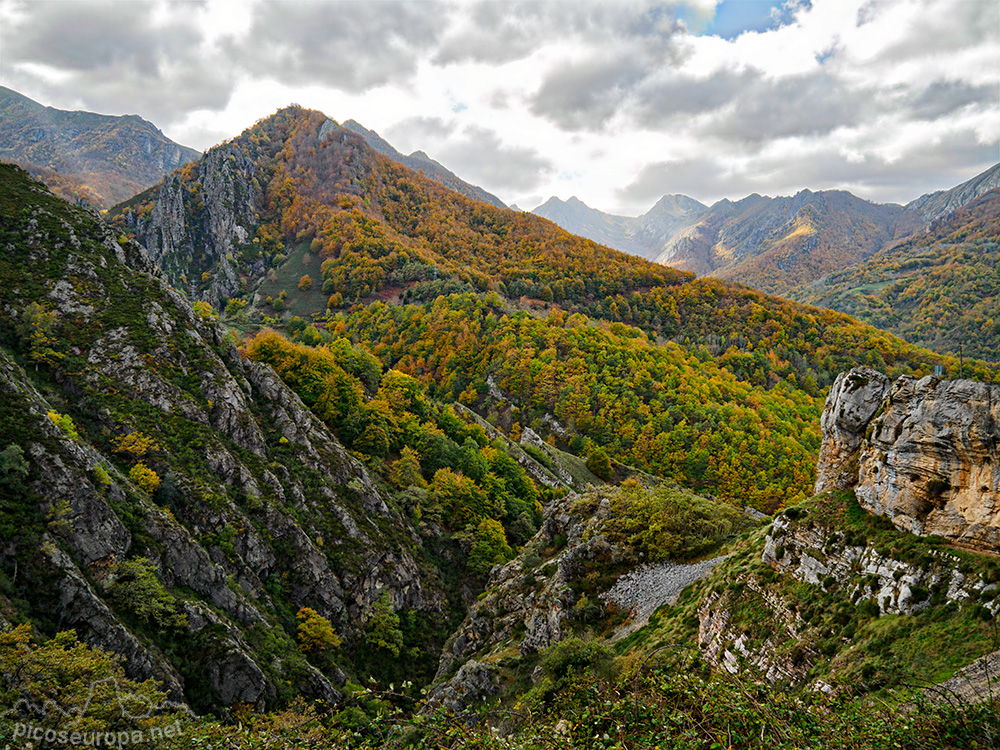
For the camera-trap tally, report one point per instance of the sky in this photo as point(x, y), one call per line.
point(616, 103)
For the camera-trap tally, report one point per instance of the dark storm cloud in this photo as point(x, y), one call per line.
point(347, 45)
point(118, 58)
point(764, 109)
point(944, 97)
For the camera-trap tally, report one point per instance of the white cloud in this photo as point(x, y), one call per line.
point(615, 102)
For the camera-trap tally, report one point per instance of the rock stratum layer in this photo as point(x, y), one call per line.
point(921, 452)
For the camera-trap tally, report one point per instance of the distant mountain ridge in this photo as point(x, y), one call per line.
point(935, 205)
point(937, 289)
point(421, 162)
point(101, 159)
point(774, 244)
point(642, 235)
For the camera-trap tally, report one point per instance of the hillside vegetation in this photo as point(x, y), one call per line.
point(698, 380)
point(938, 289)
point(384, 463)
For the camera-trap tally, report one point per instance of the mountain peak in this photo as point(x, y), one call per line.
point(421, 162)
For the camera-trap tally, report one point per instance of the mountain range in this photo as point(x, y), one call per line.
point(100, 159)
point(643, 235)
point(778, 244)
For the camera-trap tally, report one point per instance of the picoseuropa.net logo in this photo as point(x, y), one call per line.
point(51, 736)
point(30, 725)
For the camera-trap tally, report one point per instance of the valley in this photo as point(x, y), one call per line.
point(332, 455)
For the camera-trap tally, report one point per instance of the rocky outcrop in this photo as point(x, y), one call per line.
point(527, 603)
point(853, 399)
point(821, 556)
point(924, 453)
point(729, 648)
point(225, 219)
point(932, 464)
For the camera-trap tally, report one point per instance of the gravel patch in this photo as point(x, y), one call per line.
point(646, 589)
point(978, 682)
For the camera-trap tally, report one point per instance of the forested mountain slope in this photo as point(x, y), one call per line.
point(289, 516)
point(777, 244)
point(168, 499)
point(938, 289)
point(298, 220)
point(101, 159)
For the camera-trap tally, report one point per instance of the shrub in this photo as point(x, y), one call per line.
point(668, 521)
point(599, 463)
point(101, 476)
point(204, 310)
point(144, 478)
point(383, 626)
point(575, 655)
point(65, 423)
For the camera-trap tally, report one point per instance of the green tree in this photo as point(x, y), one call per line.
point(82, 680)
point(599, 463)
point(315, 632)
point(383, 626)
point(489, 548)
point(37, 330)
point(13, 467)
point(405, 471)
point(136, 587)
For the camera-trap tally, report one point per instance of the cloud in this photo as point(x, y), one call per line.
point(586, 95)
point(422, 130)
point(111, 57)
point(494, 32)
point(944, 97)
point(347, 45)
point(476, 154)
point(765, 109)
point(617, 102)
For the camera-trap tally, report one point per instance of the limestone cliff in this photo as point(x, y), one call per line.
point(924, 453)
point(854, 398)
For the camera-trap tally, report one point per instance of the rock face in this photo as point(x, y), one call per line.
point(257, 509)
point(932, 463)
point(853, 400)
point(922, 452)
